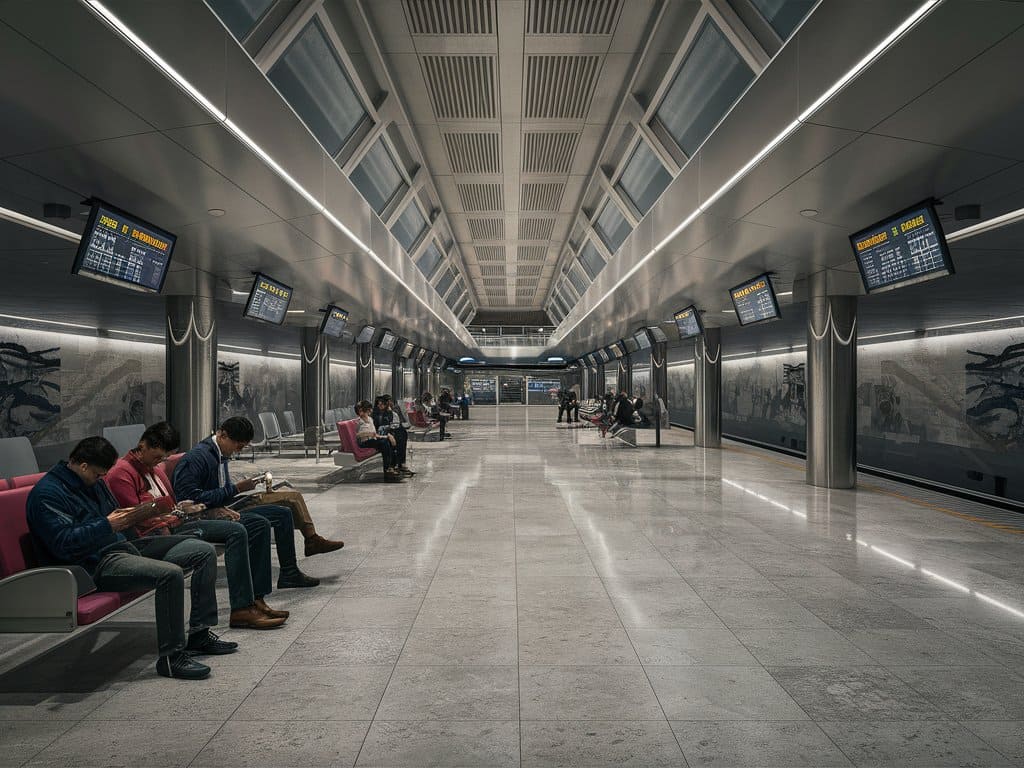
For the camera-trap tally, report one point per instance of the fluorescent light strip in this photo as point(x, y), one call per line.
point(985, 226)
point(50, 322)
point(138, 333)
point(997, 604)
point(115, 22)
point(785, 133)
point(39, 225)
point(234, 346)
point(884, 335)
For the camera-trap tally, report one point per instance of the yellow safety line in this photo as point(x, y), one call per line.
point(1004, 527)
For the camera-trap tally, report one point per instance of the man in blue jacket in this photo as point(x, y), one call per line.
point(202, 476)
point(75, 520)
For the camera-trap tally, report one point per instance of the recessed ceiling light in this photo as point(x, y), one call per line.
point(728, 310)
point(218, 212)
point(809, 213)
point(296, 311)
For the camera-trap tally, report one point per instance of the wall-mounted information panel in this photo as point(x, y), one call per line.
point(268, 300)
point(755, 301)
point(688, 322)
point(335, 320)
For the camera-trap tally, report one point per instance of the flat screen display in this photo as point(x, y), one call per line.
point(366, 335)
point(388, 341)
point(407, 349)
point(268, 300)
point(755, 301)
point(643, 341)
point(688, 322)
point(119, 248)
point(615, 351)
point(630, 345)
point(657, 334)
point(603, 355)
point(420, 355)
point(903, 249)
point(335, 320)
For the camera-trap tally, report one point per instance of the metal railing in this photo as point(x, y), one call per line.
point(512, 340)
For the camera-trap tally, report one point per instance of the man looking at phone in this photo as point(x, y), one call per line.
point(137, 477)
point(202, 476)
point(75, 520)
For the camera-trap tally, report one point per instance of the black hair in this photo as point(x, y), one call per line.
point(161, 435)
point(364, 405)
point(95, 451)
point(239, 429)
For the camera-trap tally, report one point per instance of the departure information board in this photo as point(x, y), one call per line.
point(268, 300)
point(755, 301)
point(657, 334)
point(123, 249)
point(688, 322)
point(407, 349)
point(335, 320)
point(902, 249)
point(365, 335)
point(388, 341)
point(603, 355)
point(642, 339)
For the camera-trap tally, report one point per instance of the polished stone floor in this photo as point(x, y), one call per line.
point(536, 598)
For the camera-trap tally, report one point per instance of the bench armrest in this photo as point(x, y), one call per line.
point(39, 600)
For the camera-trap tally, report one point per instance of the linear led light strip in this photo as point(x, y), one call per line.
point(784, 134)
point(111, 19)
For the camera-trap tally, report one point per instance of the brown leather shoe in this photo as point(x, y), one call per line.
point(268, 611)
point(318, 545)
point(253, 618)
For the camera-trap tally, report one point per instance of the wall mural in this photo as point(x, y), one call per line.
point(681, 398)
point(248, 385)
point(763, 399)
point(342, 386)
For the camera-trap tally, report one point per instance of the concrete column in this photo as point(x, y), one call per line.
point(364, 372)
point(192, 366)
point(831, 386)
point(707, 365)
point(316, 364)
point(659, 378)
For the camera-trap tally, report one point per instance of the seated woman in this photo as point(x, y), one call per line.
point(367, 437)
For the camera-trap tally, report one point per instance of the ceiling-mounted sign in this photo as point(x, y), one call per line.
point(688, 322)
point(754, 301)
point(335, 320)
point(268, 300)
point(903, 249)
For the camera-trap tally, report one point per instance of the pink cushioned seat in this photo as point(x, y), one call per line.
point(347, 435)
point(27, 481)
point(95, 606)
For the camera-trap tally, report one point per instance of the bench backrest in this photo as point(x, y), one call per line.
point(124, 438)
point(26, 481)
point(4, 485)
point(271, 429)
point(16, 552)
point(418, 419)
point(347, 434)
point(171, 463)
point(17, 457)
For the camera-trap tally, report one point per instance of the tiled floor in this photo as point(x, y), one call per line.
point(535, 598)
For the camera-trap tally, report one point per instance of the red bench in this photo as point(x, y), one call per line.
point(421, 425)
point(351, 455)
point(26, 481)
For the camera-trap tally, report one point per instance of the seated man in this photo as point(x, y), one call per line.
point(137, 478)
point(75, 520)
point(202, 476)
point(388, 422)
point(367, 437)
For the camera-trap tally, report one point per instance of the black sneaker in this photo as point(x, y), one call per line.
point(295, 580)
point(206, 643)
point(181, 666)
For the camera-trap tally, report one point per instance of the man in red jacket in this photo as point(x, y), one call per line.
point(137, 477)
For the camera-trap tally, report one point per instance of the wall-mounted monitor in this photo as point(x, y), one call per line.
point(630, 345)
point(268, 300)
point(334, 322)
point(615, 351)
point(388, 341)
point(365, 336)
point(603, 355)
point(657, 335)
point(420, 355)
point(123, 249)
point(906, 248)
point(688, 322)
point(643, 341)
point(441, 363)
point(754, 301)
point(407, 349)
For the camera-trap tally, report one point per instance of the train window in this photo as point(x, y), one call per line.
point(612, 226)
point(410, 226)
point(711, 78)
point(644, 178)
point(310, 77)
point(378, 178)
point(239, 16)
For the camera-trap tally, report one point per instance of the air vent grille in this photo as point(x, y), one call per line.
point(549, 151)
point(529, 270)
point(560, 87)
point(492, 270)
point(572, 17)
point(473, 152)
point(486, 229)
point(461, 87)
point(495, 282)
point(480, 197)
point(541, 197)
point(490, 253)
point(536, 229)
point(450, 17)
point(531, 253)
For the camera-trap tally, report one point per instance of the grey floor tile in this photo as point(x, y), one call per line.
point(756, 744)
point(969, 693)
point(358, 612)
point(466, 612)
point(240, 744)
point(149, 744)
point(909, 647)
point(931, 744)
point(1006, 736)
point(764, 613)
point(586, 693)
point(577, 645)
point(316, 693)
point(862, 613)
point(722, 693)
point(599, 743)
point(657, 612)
point(346, 646)
point(681, 647)
point(802, 647)
point(440, 743)
point(22, 740)
point(461, 645)
point(451, 693)
point(52, 705)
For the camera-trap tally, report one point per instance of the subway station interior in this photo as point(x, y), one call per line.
point(481, 383)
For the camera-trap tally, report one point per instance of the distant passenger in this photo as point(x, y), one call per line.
point(464, 406)
point(202, 475)
point(138, 477)
point(431, 409)
point(75, 520)
point(367, 436)
point(623, 412)
point(389, 420)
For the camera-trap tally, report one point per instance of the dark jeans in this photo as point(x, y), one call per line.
point(121, 572)
point(442, 422)
point(384, 447)
point(401, 445)
point(280, 519)
point(246, 555)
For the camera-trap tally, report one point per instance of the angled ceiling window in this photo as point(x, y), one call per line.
point(644, 178)
point(591, 260)
point(447, 278)
point(560, 305)
point(467, 313)
point(711, 78)
point(239, 16)
point(410, 226)
point(454, 298)
point(784, 16)
point(578, 281)
point(612, 226)
point(429, 260)
point(378, 178)
point(310, 77)
point(554, 313)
